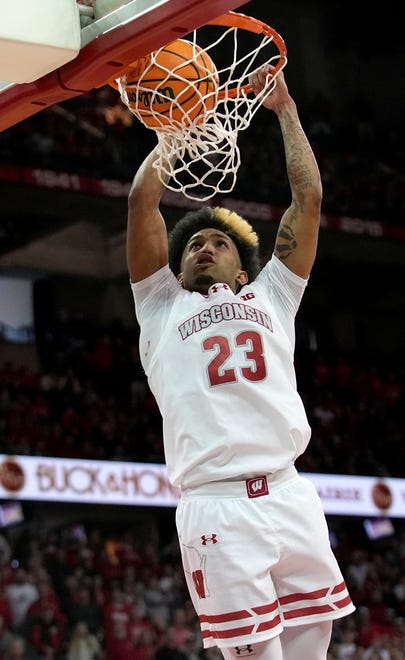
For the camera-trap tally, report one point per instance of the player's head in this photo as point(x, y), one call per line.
point(200, 232)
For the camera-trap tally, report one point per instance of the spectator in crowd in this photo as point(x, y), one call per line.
point(168, 648)
point(21, 593)
point(5, 549)
point(83, 609)
point(83, 645)
point(45, 630)
point(19, 649)
point(6, 636)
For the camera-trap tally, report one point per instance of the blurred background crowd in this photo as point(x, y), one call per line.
point(361, 159)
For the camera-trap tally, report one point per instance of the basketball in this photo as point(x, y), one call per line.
point(172, 87)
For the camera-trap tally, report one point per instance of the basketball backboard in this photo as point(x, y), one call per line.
point(107, 45)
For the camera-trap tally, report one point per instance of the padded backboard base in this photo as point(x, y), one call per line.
point(37, 37)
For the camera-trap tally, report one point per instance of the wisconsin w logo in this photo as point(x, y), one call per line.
point(257, 486)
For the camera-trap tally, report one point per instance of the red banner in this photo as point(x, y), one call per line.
point(253, 210)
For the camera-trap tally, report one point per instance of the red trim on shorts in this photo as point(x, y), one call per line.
point(228, 616)
point(238, 614)
point(232, 632)
point(311, 595)
point(265, 609)
point(342, 603)
point(319, 595)
point(307, 611)
point(339, 587)
point(273, 622)
point(240, 631)
point(268, 625)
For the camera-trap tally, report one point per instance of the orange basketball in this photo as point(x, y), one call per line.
point(171, 87)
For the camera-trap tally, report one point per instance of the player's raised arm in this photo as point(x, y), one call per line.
point(146, 230)
point(297, 236)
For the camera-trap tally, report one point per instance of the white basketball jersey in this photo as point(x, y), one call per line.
point(221, 367)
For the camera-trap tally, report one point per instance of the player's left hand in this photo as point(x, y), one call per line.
point(278, 92)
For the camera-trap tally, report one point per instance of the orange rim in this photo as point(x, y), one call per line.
point(244, 22)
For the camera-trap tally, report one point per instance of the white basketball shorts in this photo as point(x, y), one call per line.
point(257, 557)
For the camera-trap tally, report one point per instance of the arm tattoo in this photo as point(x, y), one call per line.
point(285, 242)
point(299, 156)
point(303, 176)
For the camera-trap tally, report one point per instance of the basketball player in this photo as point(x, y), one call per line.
point(217, 345)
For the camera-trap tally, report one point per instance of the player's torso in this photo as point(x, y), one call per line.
point(224, 380)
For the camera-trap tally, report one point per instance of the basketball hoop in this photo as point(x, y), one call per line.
point(199, 155)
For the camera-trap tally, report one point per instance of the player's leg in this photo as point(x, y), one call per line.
point(309, 642)
point(232, 591)
point(271, 649)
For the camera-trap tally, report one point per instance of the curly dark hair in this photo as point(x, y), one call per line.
point(232, 224)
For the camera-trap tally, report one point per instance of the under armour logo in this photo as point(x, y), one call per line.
point(257, 486)
point(206, 539)
point(244, 650)
point(216, 287)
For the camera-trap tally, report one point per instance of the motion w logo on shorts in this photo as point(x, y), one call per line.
point(196, 571)
point(257, 486)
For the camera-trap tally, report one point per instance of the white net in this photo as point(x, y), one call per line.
point(198, 153)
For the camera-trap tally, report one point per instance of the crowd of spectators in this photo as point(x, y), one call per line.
point(361, 161)
point(103, 595)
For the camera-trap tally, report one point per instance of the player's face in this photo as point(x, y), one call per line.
point(210, 256)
